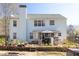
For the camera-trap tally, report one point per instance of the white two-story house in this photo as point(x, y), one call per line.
point(41, 26)
point(35, 27)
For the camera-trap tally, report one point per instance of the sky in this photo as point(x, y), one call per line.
point(68, 10)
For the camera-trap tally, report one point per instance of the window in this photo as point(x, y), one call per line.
point(24, 6)
point(14, 35)
point(46, 34)
point(42, 23)
point(35, 23)
point(39, 23)
point(14, 23)
point(31, 35)
point(52, 34)
point(52, 22)
point(59, 34)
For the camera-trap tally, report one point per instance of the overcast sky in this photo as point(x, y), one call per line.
point(70, 11)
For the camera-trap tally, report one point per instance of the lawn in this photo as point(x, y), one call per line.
point(52, 53)
point(36, 53)
point(70, 44)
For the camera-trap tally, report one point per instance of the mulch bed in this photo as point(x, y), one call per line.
point(10, 48)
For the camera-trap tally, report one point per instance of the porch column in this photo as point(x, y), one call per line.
point(52, 38)
point(56, 34)
point(40, 40)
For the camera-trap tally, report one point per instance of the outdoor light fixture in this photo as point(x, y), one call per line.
point(12, 15)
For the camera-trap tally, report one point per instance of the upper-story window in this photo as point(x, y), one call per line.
point(52, 22)
point(23, 6)
point(39, 23)
point(14, 23)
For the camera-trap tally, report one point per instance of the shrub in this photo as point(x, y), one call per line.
point(2, 40)
point(15, 42)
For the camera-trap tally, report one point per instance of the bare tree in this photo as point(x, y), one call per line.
point(70, 32)
point(7, 10)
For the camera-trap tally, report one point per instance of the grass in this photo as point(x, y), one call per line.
point(36, 53)
point(53, 53)
point(70, 44)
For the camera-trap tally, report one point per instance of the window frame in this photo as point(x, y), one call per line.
point(59, 34)
point(52, 22)
point(39, 23)
point(14, 23)
point(31, 35)
point(22, 6)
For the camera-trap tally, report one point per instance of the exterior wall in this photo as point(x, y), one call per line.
point(62, 27)
point(32, 28)
point(60, 24)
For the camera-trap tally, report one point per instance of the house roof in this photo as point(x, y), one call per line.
point(45, 16)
